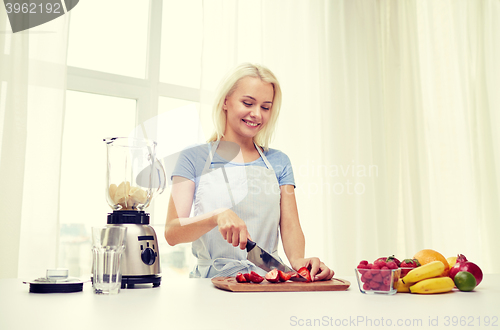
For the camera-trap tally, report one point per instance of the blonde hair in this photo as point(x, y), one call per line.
point(229, 85)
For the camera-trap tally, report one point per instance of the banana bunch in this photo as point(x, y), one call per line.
point(424, 280)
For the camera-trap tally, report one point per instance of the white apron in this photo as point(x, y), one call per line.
point(254, 191)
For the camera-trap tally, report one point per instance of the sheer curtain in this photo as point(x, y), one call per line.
point(388, 116)
point(33, 86)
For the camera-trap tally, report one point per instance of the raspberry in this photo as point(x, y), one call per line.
point(380, 263)
point(377, 278)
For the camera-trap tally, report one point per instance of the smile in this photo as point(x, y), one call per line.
point(249, 123)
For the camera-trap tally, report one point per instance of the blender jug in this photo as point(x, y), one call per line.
point(134, 175)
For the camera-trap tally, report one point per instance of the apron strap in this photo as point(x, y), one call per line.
point(210, 156)
point(263, 157)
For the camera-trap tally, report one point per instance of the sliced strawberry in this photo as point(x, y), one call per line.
point(284, 276)
point(247, 276)
point(305, 272)
point(240, 278)
point(256, 278)
point(273, 276)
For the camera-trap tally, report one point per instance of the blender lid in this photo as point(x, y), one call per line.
point(57, 281)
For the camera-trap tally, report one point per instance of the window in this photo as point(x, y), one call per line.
point(123, 71)
point(88, 119)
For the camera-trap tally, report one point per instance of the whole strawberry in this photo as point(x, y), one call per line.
point(407, 264)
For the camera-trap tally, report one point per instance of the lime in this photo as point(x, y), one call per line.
point(465, 281)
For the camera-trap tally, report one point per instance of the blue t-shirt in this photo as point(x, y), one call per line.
point(192, 160)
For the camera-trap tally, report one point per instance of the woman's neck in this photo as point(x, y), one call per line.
point(248, 151)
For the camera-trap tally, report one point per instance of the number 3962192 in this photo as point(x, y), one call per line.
point(471, 321)
point(33, 8)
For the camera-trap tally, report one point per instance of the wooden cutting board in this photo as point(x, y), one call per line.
point(230, 284)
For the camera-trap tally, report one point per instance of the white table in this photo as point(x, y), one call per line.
point(197, 304)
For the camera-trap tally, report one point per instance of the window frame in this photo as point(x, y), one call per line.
point(145, 91)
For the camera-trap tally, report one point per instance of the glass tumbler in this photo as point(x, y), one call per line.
point(108, 244)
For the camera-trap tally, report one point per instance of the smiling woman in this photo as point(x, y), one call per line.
point(245, 105)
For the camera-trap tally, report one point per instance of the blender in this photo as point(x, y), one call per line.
point(134, 177)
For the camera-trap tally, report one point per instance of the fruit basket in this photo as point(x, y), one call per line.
point(380, 281)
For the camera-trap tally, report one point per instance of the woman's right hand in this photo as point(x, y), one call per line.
point(232, 228)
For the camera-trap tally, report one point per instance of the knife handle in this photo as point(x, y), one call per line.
point(250, 245)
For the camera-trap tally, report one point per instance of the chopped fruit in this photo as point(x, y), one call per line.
point(247, 277)
point(273, 276)
point(256, 278)
point(284, 276)
point(305, 272)
point(240, 278)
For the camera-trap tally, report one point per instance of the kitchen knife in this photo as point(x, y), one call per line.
point(266, 261)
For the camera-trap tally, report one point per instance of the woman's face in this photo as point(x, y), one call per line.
point(248, 108)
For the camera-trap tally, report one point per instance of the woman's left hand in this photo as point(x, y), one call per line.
point(319, 271)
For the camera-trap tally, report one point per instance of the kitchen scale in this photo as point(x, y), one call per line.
point(134, 177)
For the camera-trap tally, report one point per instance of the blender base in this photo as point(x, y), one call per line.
point(128, 282)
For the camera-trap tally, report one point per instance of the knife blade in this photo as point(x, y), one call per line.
point(263, 259)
